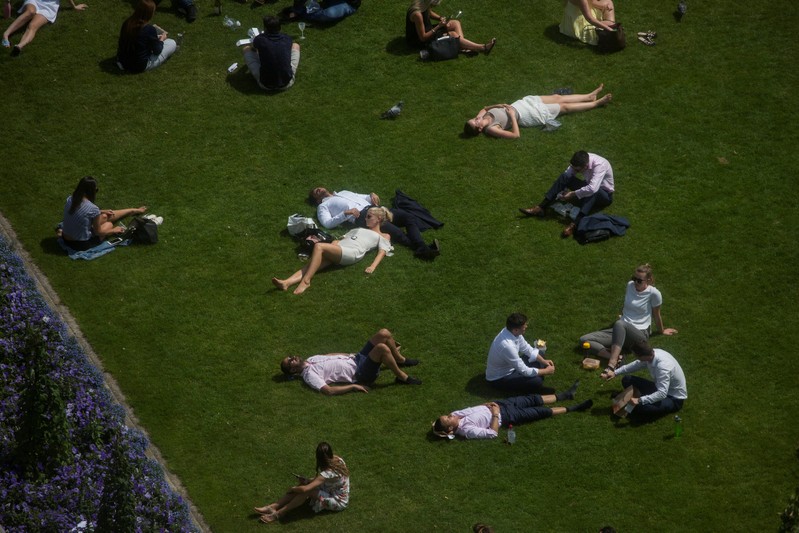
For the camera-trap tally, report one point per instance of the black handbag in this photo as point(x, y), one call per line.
point(142, 231)
point(444, 48)
point(311, 236)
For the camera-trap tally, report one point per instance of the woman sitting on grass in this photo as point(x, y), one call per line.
point(143, 46)
point(85, 225)
point(328, 491)
point(34, 13)
point(503, 121)
point(642, 303)
point(349, 250)
point(419, 31)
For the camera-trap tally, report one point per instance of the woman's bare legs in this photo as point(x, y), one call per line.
point(30, 32)
point(606, 6)
point(323, 255)
point(455, 30)
point(119, 214)
point(20, 21)
point(574, 103)
point(288, 502)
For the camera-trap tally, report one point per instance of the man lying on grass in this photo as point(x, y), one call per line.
point(339, 373)
point(484, 421)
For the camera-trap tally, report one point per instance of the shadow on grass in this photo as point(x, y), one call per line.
point(109, 66)
point(553, 34)
point(304, 512)
point(49, 245)
point(399, 47)
point(478, 386)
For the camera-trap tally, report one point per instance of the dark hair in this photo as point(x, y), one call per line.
point(311, 197)
point(324, 454)
point(579, 159)
point(285, 367)
point(482, 528)
point(142, 14)
point(271, 24)
point(608, 529)
point(469, 130)
point(642, 349)
point(516, 320)
point(87, 188)
point(438, 427)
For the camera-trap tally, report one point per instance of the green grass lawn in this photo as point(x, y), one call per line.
point(702, 136)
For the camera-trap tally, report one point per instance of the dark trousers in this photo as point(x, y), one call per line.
point(596, 202)
point(516, 382)
point(411, 237)
point(653, 410)
point(521, 409)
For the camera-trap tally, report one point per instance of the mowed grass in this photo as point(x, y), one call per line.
point(702, 138)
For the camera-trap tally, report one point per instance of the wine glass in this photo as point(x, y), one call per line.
point(301, 25)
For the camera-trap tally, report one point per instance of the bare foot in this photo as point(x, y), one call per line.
point(266, 509)
point(605, 100)
point(302, 287)
point(269, 518)
point(596, 91)
point(280, 284)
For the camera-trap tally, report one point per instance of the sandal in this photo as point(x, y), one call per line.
point(647, 41)
point(649, 33)
point(489, 46)
point(6, 43)
point(268, 518)
point(16, 51)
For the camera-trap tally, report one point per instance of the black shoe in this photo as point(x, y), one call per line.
point(409, 381)
point(191, 14)
point(581, 406)
point(409, 362)
point(16, 51)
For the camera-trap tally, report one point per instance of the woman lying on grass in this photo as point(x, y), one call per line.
point(85, 225)
point(328, 491)
point(503, 121)
point(349, 250)
point(34, 14)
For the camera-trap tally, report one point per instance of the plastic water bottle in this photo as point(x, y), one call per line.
point(677, 426)
point(511, 434)
point(231, 23)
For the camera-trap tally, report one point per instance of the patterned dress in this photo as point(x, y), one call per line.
point(334, 493)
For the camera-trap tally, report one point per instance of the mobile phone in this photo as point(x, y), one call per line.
point(115, 241)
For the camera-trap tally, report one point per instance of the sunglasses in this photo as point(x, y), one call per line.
point(638, 280)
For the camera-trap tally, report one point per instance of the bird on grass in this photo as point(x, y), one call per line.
point(394, 112)
point(682, 9)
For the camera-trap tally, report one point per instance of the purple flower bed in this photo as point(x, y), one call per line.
point(67, 460)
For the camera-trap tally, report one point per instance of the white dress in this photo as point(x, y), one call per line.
point(46, 8)
point(357, 242)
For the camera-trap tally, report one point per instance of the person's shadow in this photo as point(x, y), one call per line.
point(109, 66)
point(398, 46)
point(50, 246)
point(553, 34)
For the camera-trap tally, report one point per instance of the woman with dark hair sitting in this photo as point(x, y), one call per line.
point(328, 491)
point(85, 225)
point(143, 46)
point(419, 31)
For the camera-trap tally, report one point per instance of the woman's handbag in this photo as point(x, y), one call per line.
point(444, 48)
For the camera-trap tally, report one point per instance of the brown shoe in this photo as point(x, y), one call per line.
point(535, 211)
point(568, 231)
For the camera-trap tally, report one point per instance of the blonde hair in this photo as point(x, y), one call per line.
point(646, 270)
point(423, 5)
point(382, 213)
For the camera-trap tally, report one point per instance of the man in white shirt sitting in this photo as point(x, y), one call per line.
point(339, 373)
point(592, 194)
point(335, 208)
point(506, 370)
point(663, 396)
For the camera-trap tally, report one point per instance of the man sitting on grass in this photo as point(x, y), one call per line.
point(663, 396)
point(505, 369)
point(484, 421)
point(339, 373)
point(273, 58)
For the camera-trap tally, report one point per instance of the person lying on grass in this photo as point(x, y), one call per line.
point(33, 15)
point(328, 491)
point(503, 121)
point(349, 250)
point(339, 373)
point(85, 225)
point(483, 421)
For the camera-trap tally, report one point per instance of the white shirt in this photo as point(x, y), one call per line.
point(475, 423)
point(326, 369)
point(503, 356)
point(638, 305)
point(331, 212)
point(598, 175)
point(667, 373)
